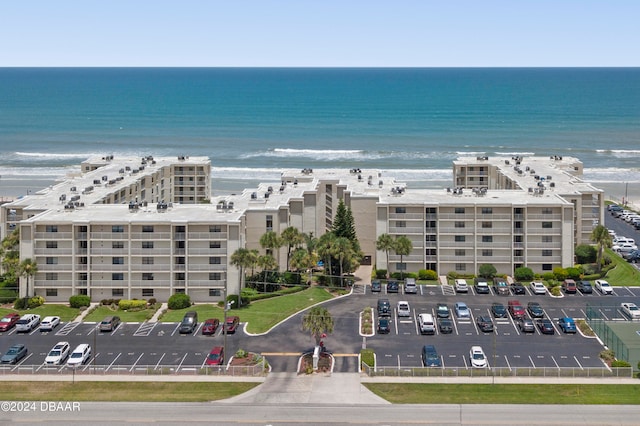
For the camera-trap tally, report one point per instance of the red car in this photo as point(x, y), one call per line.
point(8, 321)
point(210, 326)
point(216, 356)
point(516, 309)
point(232, 324)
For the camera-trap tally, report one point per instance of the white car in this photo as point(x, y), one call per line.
point(624, 247)
point(403, 309)
point(27, 323)
point(80, 355)
point(49, 323)
point(477, 357)
point(604, 287)
point(537, 288)
point(58, 354)
point(630, 310)
point(461, 286)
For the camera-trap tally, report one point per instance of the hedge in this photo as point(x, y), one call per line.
point(126, 305)
point(79, 300)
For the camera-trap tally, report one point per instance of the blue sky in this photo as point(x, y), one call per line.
point(349, 33)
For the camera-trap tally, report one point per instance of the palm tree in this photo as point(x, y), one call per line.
point(241, 259)
point(267, 263)
point(253, 259)
point(402, 247)
point(325, 249)
point(271, 242)
point(600, 235)
point(291, 238)
point(28, 268)
point(385, 243)
point(319, 322)
point(342, 250)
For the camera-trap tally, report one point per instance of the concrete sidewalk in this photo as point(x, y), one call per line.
point(86, 312)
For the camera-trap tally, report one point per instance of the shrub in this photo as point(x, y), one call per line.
point(152, 301)
point(620, 363)
point(556, 291)
point(574, 273)
point(234, 298)
point(523, 274)
point(487, 271)
point(381, 274)
point(367, 357)
point(559, 273)
point(79, 300)
point(608, 355)
point(427, 274)
point(548, 276)
point(586, 253)
point(241, 353)
point(127, 305)
point(35, 301)
point(21, 303)
point(179, 301)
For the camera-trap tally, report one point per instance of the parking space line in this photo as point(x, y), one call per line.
point(532, 363)
point(115, 359)
point(473, 321)
point(602, 313)
point(134, 364)
point(507, 361)
point(175, 329)
point(395, 323)
point(90, 362)
point(578, 362)
point(554, 361)
point(22, 362)
point(159, 361)
point(629, 290)
point(183, 358)
point(93, 330)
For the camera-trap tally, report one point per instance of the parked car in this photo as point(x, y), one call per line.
point(445, 325)
point(498, 310)
point(430, 357)
point(403, 309)
point(462, 311)
point(49, 323)
point(545, 326)
point(569, 286)
point(9, 321)
point(567, 325)
point(410, 286)
point(189, 322)
point(442, 310)
point(110, 323)
point(584, 287)
point(632, 256)
point(517, 288)
point(624, 247)
point(58, 354)
point(516, 309)
point(535, 310)
point(481, 287)
point(537, 287)
point(604, 287)
point(500, 287)
point(392, 287)
point(27, 323)
point(614, 208)
point(216, 356)
point(630, 310)
point(525, 325)
point(232, 324)
point(376, 286)
point(461, 286)
point(384, 307)
point(14, 354)
point(484, 323)
point(383, 325)
point(477, 357)
point(426, 324)
point(80, 355)
point(210, 326)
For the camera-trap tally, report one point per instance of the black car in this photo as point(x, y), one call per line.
point(445, 326)
point(383, 325)
point(584, 287)
point(392, 287)
point(545, 326)
point(518, 288)
point(526, 325)
point(376, 286)
point(535, 310)
point(384, 308)
point(498, 310)
point(484, 323)
point(442, 310)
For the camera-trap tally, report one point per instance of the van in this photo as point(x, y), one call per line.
point(189, 322)
point(427, 324)
point(80, 355)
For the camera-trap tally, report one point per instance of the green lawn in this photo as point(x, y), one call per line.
point(624, 273)
point(262, 314)
point(129, 316)
point(48, 309)
point(436, 393)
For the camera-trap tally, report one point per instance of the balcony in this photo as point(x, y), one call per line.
point(207, 267)
point(403, 230)
point(406, 216)
point(151, 236)
point(53, 251)
point(53, 236)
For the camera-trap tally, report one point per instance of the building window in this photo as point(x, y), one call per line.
point(486, 225)
point(117, 292)
point(487, 253)
point(518, 253)
point(547, 239)
point(517, 238)
point(147, 228)
point(52, 244)
point(147, 244)
point(147, 276)
point(547, 210)
point(51, 292)
point(401, 224)
point(459, 210)
point(117, 228)
point(215, 276)
point(430, 224)
point(215, 292)
point(487, 210)
point(401, 266)
point(547, 267)
point(51, 276)
point(52, 260)
point(83, 292)
point(117, 261)
point(180, 276)
point(547, 225)
point(460, 267)
point(431, 210)
point(214, 244)
point(117, 244)
point(51, 228)
point(430, 237)
point(487, 238)
point(431, 252)
point(461, 252)
point(179, 291)
point(547, 253)
point(459, 238)
point(147, 292)
point(214, 260)
point(401, 209)
point(215, 228)
point(181, 260)
point(117, 276)
point(459, 224)
point(269, 222)
point(147, 260)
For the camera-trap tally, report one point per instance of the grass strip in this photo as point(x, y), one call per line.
point(435, 393)
point(123, 391)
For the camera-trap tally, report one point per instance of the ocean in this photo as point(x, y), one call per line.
point(254, 122)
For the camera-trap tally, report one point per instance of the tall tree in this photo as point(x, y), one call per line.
point(385, 243)
point(600, 235)
point(318, 321)
point(325, 249)
point(342, 250)
point(271, 242)
point(344, 226)
point(402, 247)
point(267, 263)
point(28, 269)
point(241, 259)
point(292, 238)
point(253, 260)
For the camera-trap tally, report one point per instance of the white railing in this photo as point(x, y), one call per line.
point(593, 372)
point(257, 370)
